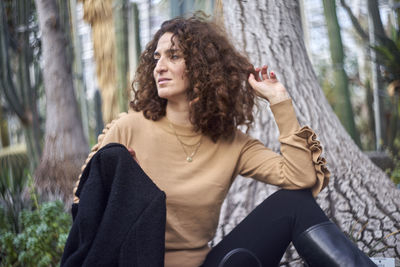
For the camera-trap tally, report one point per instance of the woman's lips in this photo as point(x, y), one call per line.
point(163, 81)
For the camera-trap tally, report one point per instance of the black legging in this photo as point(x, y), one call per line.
point(266, 232)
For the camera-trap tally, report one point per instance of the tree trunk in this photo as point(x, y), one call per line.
point(5, 139)
point(342, 104)
point(360, 198)
point(17, 45)
point(79, 83)
point(120, 14)
point(65, 147)
point(99, 14)
point(134, 47)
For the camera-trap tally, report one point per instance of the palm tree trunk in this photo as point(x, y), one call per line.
point(99, 14)
point(65, 146)
point(342, 104)
point(121, 51)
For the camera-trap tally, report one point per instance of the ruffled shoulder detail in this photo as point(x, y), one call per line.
point(95, 148)
point(314, 145)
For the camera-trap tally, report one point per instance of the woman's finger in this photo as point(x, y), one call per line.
point(133, 154)
point(264, 72)
point(257, 76)
point(255, 84)
point(273, 75)
point(252, 80)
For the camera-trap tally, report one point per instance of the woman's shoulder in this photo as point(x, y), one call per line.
point(129, 119)
point(244, 140)
point(240, 138)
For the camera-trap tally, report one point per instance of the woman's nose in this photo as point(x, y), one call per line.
point(160, 66)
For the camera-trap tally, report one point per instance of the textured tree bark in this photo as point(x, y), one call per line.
point(360, 198)
point(65, 146)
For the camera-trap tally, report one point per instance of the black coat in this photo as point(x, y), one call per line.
point(120, 218)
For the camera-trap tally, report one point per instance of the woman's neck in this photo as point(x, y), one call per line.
point(178, 113)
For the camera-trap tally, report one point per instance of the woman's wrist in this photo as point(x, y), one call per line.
point(285, 117)
point(279, 98)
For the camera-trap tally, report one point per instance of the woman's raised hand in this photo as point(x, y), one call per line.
point(133, 154)
point(268, 87)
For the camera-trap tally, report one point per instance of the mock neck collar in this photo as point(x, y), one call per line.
point(182, 130)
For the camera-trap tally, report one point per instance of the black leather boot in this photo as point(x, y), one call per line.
point(325, 245)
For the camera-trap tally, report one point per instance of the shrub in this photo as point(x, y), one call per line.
point(41, 240)
point(395, 173)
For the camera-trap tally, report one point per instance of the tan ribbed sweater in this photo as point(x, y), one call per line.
point(196, 190)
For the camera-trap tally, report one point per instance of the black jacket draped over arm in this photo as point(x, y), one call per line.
point(120, 218)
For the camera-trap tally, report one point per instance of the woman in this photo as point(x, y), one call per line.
point(193, 90)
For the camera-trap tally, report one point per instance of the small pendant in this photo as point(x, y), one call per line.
point(189, 159)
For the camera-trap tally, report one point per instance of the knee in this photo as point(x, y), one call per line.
point(294, 195)
point(293, 199)
point(240, 257)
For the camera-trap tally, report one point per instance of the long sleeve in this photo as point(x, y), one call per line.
point(300, 164)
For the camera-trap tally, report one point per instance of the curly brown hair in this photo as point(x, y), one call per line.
point(219, 94)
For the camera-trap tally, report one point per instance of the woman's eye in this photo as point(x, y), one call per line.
point(174, 56)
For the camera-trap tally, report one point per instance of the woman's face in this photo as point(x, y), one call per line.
point(169, 73)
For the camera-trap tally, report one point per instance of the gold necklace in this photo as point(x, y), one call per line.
point(189, 157)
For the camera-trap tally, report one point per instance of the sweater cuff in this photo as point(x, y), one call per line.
point(285, 117)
